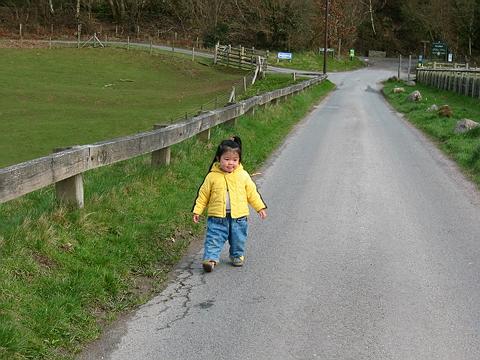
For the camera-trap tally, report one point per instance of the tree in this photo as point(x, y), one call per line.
point(464, 19)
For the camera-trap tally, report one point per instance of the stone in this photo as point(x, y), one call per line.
point(410, 83)
point(398, 90)
point(445, 111)
point(433, 108)
point(465, 125)
point(415, 96)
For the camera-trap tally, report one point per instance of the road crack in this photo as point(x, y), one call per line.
point(179, 292)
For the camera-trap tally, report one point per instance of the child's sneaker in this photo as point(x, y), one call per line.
point(208, 265)
point(238, 261)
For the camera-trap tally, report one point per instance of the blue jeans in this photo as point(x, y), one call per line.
point(220, 230)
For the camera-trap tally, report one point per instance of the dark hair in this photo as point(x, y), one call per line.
point(232, 144)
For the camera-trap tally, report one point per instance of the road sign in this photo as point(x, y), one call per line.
point(284, 56)
point(439, 49)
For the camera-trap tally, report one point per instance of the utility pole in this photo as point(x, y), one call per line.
point(326, 39)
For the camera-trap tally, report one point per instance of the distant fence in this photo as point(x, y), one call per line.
point(65, 167)
point(448, 65)
point(106, 33)
point(375, 53)
point(241, 57)
point(463, 81)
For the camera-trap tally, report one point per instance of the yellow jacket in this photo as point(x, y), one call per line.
point(241, 188)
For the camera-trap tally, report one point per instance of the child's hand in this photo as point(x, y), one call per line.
point(196, 218)
point(262, 213)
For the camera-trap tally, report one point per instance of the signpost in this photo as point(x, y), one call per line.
point(329, 50)
point(439, 49)
point(284, 56)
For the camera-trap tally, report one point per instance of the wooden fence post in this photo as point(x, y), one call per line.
point(215, 55)
point(231, 123)
point(79, 34)
point(241, 52)
point(399, 66)
point(409, 66)
point(228, 54)
point(70, 190)
point(204, 136)
point(162, 156)
point(231, 100)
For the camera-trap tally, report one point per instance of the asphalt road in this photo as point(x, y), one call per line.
point(371, 251)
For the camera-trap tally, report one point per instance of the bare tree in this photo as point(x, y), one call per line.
point(464, 18)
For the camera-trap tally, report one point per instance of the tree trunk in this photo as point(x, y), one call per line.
point(77, 14)
point(371, 17)
point(114, 10)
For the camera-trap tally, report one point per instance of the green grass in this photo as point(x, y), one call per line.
point(314, 62)
point(67, 272)
point(63, 97)
point(463, 148)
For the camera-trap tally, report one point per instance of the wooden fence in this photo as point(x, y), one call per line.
point(65, 167)
point(447, 65)
point(241, 57)
point(462, 81)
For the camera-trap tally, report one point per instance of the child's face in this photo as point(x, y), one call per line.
point(229, 161)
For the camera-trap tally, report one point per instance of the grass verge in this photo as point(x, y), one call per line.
point(312, 61)
point(66, 272)
point(463, 148)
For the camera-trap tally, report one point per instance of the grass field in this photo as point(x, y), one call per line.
point(314, 62)
point(463, 148)
point(63, 97)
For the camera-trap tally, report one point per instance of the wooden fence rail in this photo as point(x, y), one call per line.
point(441, 65)
point(462, 81)
point(65, 168)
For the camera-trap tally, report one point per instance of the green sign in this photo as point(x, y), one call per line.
point(439, 49)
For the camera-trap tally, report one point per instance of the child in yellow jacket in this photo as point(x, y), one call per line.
point(226, 193)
